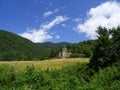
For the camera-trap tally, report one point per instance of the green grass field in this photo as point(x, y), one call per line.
point(43, 65)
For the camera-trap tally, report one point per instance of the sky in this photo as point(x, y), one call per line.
point(58, 20)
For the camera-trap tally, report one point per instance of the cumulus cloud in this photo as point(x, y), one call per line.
point(41, 34)
point(48, 13)
point(107, 15)
point(35, 35)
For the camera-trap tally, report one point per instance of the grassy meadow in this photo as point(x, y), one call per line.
point(46, 64)
point(63, 74)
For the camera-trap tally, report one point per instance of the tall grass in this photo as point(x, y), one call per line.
point(46, 64)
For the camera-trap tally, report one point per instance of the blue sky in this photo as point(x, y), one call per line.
point(58, 20)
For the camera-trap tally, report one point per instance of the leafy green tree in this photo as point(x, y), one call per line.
point(107, 50)
point(100, 52)
point(115, 33)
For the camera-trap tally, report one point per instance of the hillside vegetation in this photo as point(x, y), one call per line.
point(15, 48)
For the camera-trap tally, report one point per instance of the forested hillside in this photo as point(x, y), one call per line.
point(14, 47)
point(81, 49)
point(54, 48)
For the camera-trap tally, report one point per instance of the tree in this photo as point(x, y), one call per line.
point(100, 52)
point(115, 32)
point(107, 50)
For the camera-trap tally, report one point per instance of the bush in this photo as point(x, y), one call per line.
point(76, 77)
point(77, 55)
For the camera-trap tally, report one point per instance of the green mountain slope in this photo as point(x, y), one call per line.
point(54, 48)
point(14, 47)
point(81, 49)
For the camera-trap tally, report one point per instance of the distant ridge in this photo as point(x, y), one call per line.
point(53, 45)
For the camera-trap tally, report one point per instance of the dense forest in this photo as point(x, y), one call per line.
point(82, 49)
point(102, 73)
point(14, 47)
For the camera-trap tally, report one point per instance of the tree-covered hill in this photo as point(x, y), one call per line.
point(54, 45)
point(54, 48)
point(14, 47)
point(81, 49)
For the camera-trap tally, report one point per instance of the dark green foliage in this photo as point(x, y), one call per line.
point(54, 52)
point(14, 47)
point(99, 53)
point(77, 77)
point(77, 55)
point(82, 49)
point(115, 43)
point(54, 48)
point(53, 45)
point(107, 50)
point(106, 79)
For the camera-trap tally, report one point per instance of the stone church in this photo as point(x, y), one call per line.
point(64, 53)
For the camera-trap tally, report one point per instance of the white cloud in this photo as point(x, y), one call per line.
point(48, 13)
point(57, 20)
point(41, 34)
point(34, 35)
point(57, 36)
point(106, 15)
